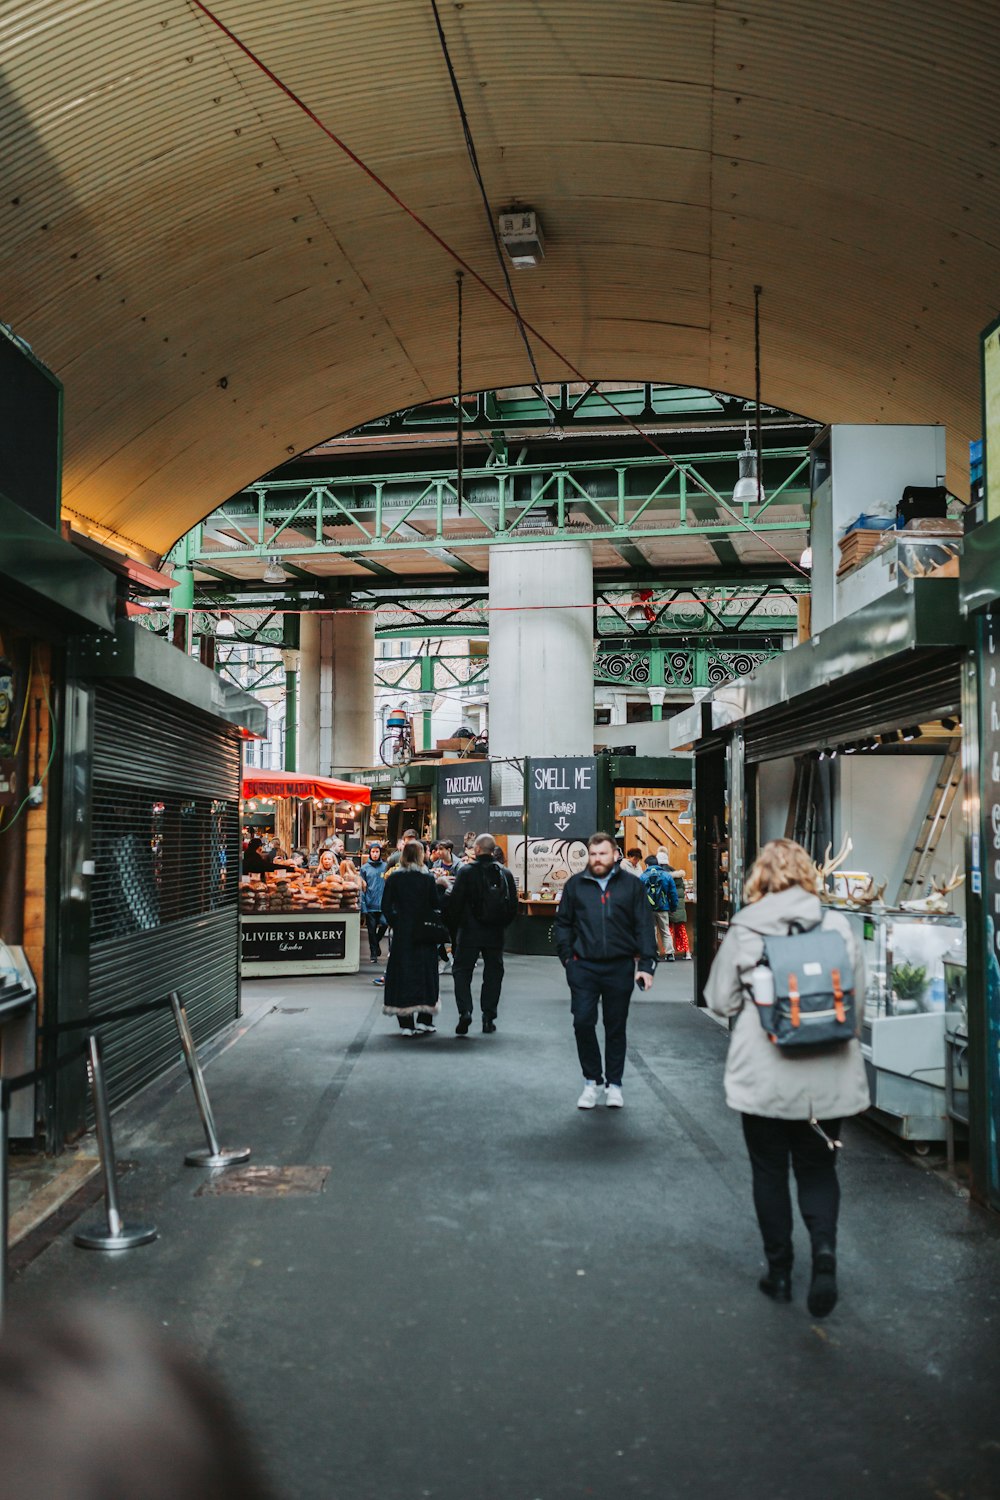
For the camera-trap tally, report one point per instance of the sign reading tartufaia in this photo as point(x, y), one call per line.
point(463, 800)
point(562, 798)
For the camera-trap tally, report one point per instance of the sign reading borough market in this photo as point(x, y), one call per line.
point(562, 798)
point(463, 800)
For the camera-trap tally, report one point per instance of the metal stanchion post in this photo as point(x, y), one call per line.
point(4, 1201)
point(114, 1235)
point(213, 1155)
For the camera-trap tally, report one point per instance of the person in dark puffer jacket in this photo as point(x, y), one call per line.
point(604, 926)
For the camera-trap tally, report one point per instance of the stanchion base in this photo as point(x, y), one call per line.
point(229, 1156)
point(98, 1237)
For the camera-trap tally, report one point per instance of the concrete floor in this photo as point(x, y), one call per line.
point(497, 1296)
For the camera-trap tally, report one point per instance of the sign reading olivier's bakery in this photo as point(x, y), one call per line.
point(463, 799)
point(277, 941)
point(562, 798)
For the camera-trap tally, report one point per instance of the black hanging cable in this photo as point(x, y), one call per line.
point(460, 442)
point(470, 146)
point(756, 368)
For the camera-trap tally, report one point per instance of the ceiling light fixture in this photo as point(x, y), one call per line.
point(915, 733)
point(950, 724)
point(225, 626)
point(274, 572)
point(806, 560)
point(522, 237)
point(749, 488)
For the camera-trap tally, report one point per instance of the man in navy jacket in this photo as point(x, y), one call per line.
point(606, 939)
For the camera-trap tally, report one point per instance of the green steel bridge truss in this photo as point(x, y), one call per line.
point(624, 502)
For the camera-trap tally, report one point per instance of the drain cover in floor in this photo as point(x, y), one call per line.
point(266, 1182)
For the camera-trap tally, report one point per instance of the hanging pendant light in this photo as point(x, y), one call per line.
point(749, 486)
point(747, 489)
point(274, 572)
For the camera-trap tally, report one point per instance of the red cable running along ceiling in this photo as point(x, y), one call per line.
point(460, 261)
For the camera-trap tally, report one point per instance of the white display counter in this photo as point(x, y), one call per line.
point(286, 944)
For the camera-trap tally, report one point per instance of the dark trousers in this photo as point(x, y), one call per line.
point(376, 924)
point(771, 1143)
point(467, 952)
point(610, 982)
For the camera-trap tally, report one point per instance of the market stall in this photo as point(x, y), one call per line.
point(300, 919)
point(852, 745)
point(300, 811)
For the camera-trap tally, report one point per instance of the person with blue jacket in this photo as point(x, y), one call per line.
point(661, 893)
point(373, 873)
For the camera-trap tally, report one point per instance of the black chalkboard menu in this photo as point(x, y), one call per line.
point(562, 797)
point(463, 799)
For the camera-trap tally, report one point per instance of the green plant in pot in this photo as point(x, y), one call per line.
point(909, 981)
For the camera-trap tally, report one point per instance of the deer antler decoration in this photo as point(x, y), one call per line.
point(937, 901)
point(832, 863)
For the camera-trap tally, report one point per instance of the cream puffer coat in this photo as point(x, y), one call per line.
point(760, 1078)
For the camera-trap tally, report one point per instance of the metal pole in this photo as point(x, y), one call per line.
point(4, 1201)
point(213, 1155)
point(114, 1235)
point(291, 719)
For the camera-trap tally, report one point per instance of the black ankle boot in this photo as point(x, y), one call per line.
point(777, 1285)
point(822, 1297)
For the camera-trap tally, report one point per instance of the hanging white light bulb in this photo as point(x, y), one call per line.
point(748, 488)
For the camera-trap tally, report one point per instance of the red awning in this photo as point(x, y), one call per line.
point(289, 784)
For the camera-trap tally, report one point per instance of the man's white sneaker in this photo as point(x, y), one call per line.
point(588, 1099)
point(613, 1096)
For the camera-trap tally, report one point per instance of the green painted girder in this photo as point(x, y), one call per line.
point(624, 501)
point(561, 406)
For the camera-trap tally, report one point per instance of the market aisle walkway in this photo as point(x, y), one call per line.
point(500, 1298)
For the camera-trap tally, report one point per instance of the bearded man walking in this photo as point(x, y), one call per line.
point(606, 939)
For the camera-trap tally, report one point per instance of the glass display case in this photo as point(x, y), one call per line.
point(905, 956)
point(912, 1002)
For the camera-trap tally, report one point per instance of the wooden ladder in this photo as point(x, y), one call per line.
point(932, 829)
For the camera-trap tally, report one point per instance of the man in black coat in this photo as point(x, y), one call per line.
point(606, 939)
point(481, 906)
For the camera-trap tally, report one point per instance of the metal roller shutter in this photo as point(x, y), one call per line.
point(929, 686)
point(164, 896)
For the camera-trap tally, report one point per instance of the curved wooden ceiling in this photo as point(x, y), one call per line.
point(219, 287)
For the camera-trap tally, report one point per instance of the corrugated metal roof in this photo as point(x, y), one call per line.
point(219, 287)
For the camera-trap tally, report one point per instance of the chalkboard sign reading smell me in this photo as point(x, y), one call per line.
point(562, 798)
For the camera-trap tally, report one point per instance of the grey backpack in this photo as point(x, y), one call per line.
point(810, 1003)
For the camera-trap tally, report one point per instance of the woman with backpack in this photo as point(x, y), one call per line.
point(780, 972)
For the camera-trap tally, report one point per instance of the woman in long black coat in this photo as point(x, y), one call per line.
point(411, 898)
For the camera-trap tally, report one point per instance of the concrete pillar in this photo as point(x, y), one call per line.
point(336, 692)
point(541, 649)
